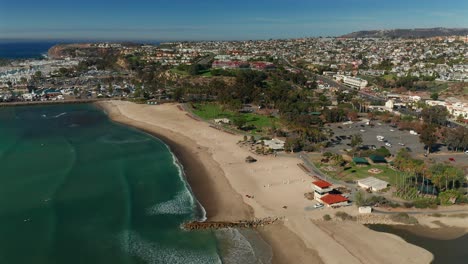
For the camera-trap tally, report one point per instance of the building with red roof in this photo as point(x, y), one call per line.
point(321, 188)
point(334, 200)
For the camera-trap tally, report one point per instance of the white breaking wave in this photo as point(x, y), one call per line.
point(59, 115)
point(193, 201)
point(153, 253)
point(239, 249)
point(181, 204)
point(56, 116)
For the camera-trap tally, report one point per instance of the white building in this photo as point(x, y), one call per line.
point(274, 144)
point(373, 184)
point(355, 82)
point(389, 104)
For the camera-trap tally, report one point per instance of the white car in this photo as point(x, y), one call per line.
point(319, 205)
point(362, 130)
point(401, 144)
point(388, 145)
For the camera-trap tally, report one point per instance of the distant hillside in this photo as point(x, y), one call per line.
point(79, 50)
point(408, 33)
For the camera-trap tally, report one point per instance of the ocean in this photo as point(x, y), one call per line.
point(24, 50)
point(78, 188)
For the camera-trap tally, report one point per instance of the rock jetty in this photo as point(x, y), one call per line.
point(251, 224)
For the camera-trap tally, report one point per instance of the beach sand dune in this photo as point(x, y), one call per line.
point(223, 183)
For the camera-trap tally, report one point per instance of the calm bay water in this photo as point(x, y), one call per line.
point(452, 251)
point(77, 188)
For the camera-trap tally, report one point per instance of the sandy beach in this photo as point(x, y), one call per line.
point(221, 179)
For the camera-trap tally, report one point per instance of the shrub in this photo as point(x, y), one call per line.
point(408, 205)
point(344, 216)
point(436, 215)
point(425, 203)
point(403, 218)
point(327, 217)
point(445, 197)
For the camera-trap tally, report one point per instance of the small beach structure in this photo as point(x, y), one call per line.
point(324, 193)
point(377, 159)
point(365, 209)
point(334, 200)
point(360, 161)
point(221, 121)
point(321, 188)
point(274, 144)
point(373, 184)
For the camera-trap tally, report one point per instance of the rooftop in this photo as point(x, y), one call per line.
point(333, 199)
point(322, 184)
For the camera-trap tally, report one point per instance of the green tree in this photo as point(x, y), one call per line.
point(428, 137)
point(178, 94)
point(239, 121)
point(356, 141)
point(434, 96)
point(38, 74)
point(435, 115)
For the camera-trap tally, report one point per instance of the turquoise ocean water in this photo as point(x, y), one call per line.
point(77, 188)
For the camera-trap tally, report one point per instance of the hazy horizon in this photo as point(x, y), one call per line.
point(182, 20)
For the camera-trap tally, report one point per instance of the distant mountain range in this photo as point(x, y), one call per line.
point(408, 33)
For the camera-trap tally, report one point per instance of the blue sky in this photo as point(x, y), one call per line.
point(223, 20)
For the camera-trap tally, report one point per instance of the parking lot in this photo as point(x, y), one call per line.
point(396, 138)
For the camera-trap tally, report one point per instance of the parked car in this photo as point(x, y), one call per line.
point(319, 205)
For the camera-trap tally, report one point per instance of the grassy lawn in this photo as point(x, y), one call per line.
point(389, 77)
point(357, 172)
point(179, 72)
point(213, 111)
point(206, 73)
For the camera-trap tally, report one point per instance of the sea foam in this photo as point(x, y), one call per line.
point(181, 204)
point(238, 249)
point(153, 253)
point(193, 201)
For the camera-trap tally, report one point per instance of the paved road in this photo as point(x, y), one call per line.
point(378, 211)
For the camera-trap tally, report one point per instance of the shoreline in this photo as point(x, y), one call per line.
point(197, 176)
point(223, 177)
point(194, 170)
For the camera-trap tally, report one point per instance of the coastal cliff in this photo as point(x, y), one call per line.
point(61, 51)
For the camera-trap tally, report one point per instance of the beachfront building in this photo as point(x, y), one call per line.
point(321, 188)
point(373, 184)
point(334, 200)
point(274, 144)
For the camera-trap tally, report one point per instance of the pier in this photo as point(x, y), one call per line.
point(250, 224)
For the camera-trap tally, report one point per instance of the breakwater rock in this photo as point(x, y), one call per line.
point(251, 224)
